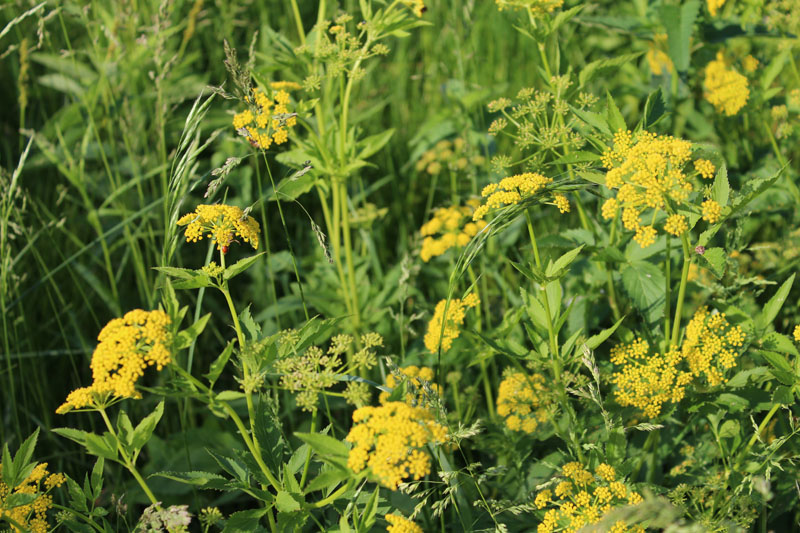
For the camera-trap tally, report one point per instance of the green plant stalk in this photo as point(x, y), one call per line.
point(668, 292)
point(74, 513)
point(336, 243)
point(286, 232)
point(333, 497)
point(782, 160)
point(676, 325)
point(754, 438)
point(298, 22)
point(487, 386)
point(348, 251)
point(308, 455)
point(128, 463)
point(554, 355)
point(272, 292)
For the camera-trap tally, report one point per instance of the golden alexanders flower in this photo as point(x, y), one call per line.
point(658, 60)
point(725, 88)
point(710, 348)
point(583, 498)
point(456, 313)
point(455, 155)
point(417, 378)
point(221, 223)
point(714, 6)
point(511, 191)
point(267, 118)
point(648, 173)
point(535, 7)
point(399, 524)
point(31, 516)
point(390, 440)
point(796, 333)
point(450, 227)
point(416, 6)
point(523, 401)
point(127, 346)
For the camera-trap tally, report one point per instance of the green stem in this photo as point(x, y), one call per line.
point(308, 455)
point(299, 22)
point(128, 463)
point(676, 325)
point(668, 297)
point(782, 160)
point(758, 432)
point(348, 251)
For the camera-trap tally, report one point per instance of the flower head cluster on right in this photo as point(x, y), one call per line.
point(127, 346)
point(390, 440)
point(647, 172)
point(582, 498)
point(725, 88)
point(647, 382)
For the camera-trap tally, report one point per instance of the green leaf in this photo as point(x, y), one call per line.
point(774, 304)
point(22, 459)
point(244, 521)
point(253, 329)
point(592, 69)
point(240, 266)
point(557, 269)
point(783, 395)
point(291, 188)
point(180, 273)
point(615, 119)
point(324, 445)
point(229, 395)
point(654, 109)
point(327, 480)
point(715, 260)
point(678, 21)
point(100, 447)
point(733, 402)
point(370, 145)
point(97, 478)
point(741, 378)
point(593, 119)
point(186, 337)
point(644, 283)
point(196, 478)
point(778, 342)
point(285, 502)
point(18, 498)
point(199, 281)
point(720, 192)
point(144, 430)
point(596, 340)
point(771, 71)
point(218, 365)
point(781, 368)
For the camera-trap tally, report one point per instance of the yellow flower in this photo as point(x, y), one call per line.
point(510, 191)
point(714, 5)
point(561, 203)
point(535, 7)
point(390, 440)
point(726, 89)
point(676, 225)
point(221, 223)
point(750, 63)
point(127, 346)
point(585, 502)
point(705, 168)
point(796, 333)
point(456, 313)
point(450, 227)
point(522, 401)
point(32, 516)
point(645, 236)
point(268, 118)
point(660, 63)
point(417, 7)
point(711, 211)
point(417, 376)
point(710, 345)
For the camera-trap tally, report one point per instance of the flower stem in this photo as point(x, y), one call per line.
point(676, 325)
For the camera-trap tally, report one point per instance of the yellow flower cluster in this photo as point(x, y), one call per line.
point(796, 333)
point(561, 202)
point(127, 346)
point(714, 5)
point(455, 155)
point(725, 88)
point(658, 60)
point(390, 441)
point(416, 6)
point(267, 119)
point(398, 524)
point(647, 170)
point(711, 211)
point(536, 7)
point(710, 347)
point(522, 400)
point(221, 223)
point(456, 312)
point(415, 375)
point(32, 517)
point(510, 191)
point(583, 498)
point(750, 64)
point(455, 228)
point(711, 344)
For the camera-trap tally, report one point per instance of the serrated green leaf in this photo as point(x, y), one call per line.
point(557, 269)
point(244, 521)
point(783, 395)
point(777, 342)
point(218, 365)
point(240, 266)
point(327, 480)
point(17, 499)
point(324, 445)
point(589, 71)
point(180, 273)
point(144, 430)
point(615, 120)
point(781, 368)
point(644, 283)
point(774, 304)
point(720, 192)
point(286, 502)
point(370, 145)
point(716, 260)
point(596, 340)
point(654, 109)
point(186, 337)
point(291, 188)
point(678, 21)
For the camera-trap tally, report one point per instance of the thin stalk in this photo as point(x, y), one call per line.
point(127, 460)
point(758, 432)
point(782, 160)
point(348, 251)
point(676, 325)
point(668, 292)
point(299, 22)
point(308, 455)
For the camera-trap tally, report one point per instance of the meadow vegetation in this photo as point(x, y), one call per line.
point(388, 265)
